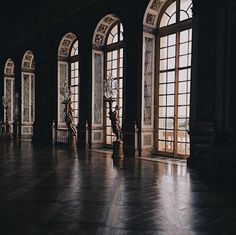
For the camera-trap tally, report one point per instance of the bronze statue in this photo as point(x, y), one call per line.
point(115, 123)
point(69, 117)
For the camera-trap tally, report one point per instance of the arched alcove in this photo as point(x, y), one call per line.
point(67, 80)
point(9, 91)
point(27, 94)
point(107, 64)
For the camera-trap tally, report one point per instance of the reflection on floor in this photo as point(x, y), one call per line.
point(48, 191)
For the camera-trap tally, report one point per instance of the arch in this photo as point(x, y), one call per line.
point(107, 64)
point(152, 12)
point(65, 45)
point(103, 27)
point(67, 82)
point(9, 91)
point(9, 67)
point(27, 94)
point(28, 61)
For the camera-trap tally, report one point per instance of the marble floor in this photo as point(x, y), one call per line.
point(46, 190)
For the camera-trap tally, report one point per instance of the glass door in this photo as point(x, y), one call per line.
point(174, 94)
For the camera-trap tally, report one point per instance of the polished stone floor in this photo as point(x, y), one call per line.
point(48, 191)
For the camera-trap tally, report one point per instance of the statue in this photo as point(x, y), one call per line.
point(69, 117)
point(68, 110)
point(7, 126)
point(115, 123)
point(110, 94)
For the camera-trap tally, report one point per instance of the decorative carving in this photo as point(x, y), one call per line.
point(147, 140)
point(98, 80)
point(150, 19)
point(65, 44)
point(27, 62)
point(102, 28)
point(148, 75)
point(108, 20)
point(99, 38)
point(156, 5)
point(9, 67)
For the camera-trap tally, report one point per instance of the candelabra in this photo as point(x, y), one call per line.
point(6, 125)
point(68, 110)
point(110, 93)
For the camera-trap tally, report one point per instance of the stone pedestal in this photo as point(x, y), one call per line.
point(118, 149)
point(72, 143)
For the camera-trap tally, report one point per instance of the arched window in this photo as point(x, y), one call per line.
point(68, 79)
point(27, 94)
point(9, 91)
point(166, 108)
point(107, 55)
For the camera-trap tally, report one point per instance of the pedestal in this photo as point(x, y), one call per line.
point(118, 149)
point(72, 143)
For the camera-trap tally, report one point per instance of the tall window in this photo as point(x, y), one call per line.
point(68, 79)
point(74, 80)
point(27, 94)
point(174, 78)
point(166, 77)
point(114, 68)
point(9, 91)
point(107, 59)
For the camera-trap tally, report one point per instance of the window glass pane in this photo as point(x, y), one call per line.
point(184, 36)
point(162, 78)
point(161, 146)
point(114, 73)
point(109, 55)
point(171, 63)
point(170, 123)
point(183, 61)
point(163, 53)
point(184, 49)
point(182, 111)
point(114, 30)
point(183, 15)
point(189, 59)
point(170, 100)
point(163, 64)
point(171, 9)
point(171, 76)
point(172, 20)
point(171, 88)
point(164, 20)
point(182, 87)
point(162, 100)
point(170, 111)
point(171, 51)
point(163, 42)
point(114, 55)
point(114, 64)
point(115, 39)
point(162, 89)
point(181, 136)
point(162, 111)
point(182, 99)
point(161, 134)
point(186, 6)
point(183, 75)
point(171, 39)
